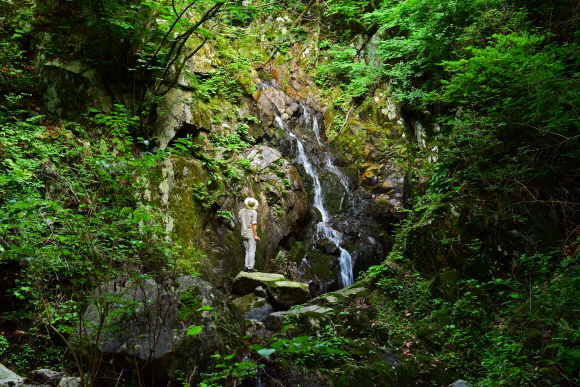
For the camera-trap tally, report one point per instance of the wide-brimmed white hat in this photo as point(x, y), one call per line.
point(251, 203)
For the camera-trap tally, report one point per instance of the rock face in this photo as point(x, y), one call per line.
point(154, 337)
point(9, 378)
point(209, 233)
point(73, 88)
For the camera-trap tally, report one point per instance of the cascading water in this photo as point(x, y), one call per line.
point(322, 228)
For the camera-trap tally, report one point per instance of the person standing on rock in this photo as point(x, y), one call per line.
point(249, 223)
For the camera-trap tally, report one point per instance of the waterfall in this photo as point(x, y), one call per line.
point(322, 228)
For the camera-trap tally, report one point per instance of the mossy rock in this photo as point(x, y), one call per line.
point(245, 283)
point(297, 251)
point(444, 286)
point(331, 300)
point(333, 192)
point(443, 316)
point(533, 342)
point(431, 333)
point(285, 294)
point(320, 267)
point(248, 302)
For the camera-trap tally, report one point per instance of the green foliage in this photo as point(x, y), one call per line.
point(201, 194)
point(4, 345)
point(227, 215)
point(246, 164)
point(233, 141)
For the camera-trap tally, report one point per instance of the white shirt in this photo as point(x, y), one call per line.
point(247, 219)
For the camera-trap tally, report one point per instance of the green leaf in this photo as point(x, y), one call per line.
point(194, 330)
point(266, 352)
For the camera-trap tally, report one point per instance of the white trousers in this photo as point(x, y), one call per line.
point(250, 245)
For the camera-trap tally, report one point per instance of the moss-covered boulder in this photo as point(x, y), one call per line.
point(152, 333)
point(245, 283)
point(285, 294)
point(334, 194)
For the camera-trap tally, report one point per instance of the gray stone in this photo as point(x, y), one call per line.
point(277, 97)
point(462, 383)
point(245, 283)
point(290, 110)
point(262, 156)
point(274, 321)
point(45, 375)
point(70, 381)
point(259, 313)
point(9, 378)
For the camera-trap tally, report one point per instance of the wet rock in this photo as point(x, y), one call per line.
point(158, 336)
point(295, 179)
point(9, 378)
point(277, 98)
point(334, 194)
point(266, 109)
point(245, 283)
point(285, 294)
point(327, 246)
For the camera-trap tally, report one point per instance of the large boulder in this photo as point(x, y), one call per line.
point(9, 378)
point(245, 283)
point(285, 294)
point(147, 327)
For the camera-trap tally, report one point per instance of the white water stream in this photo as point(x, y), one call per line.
point(322, 228)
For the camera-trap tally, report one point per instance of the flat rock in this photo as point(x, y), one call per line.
point(329, 299)
point(9, 378)
point(245, 283)
point(274, 320)
point(351, 291)
point(285, 294)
